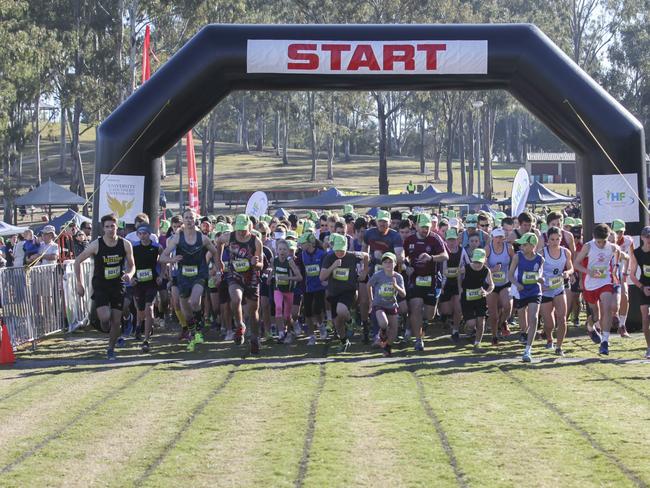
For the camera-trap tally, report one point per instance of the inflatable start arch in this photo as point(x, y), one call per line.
point(515, 57)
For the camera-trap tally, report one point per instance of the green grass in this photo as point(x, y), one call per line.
point(398, 423)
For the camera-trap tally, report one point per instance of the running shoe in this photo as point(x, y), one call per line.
point(505, 330)
point(145, 347)
point(388, 351)
point(511, 321)
point(455, 337)
point(623, 331)
point(647, 354)
point(110, 354)
point(230, 335)
point(376, 341)
point(255, 346)
point(281, 337)
point(549, 345)
point(604, 348)
point(311, 341)
point(323, 332)
point(198, 338)
point(288, 339)
point(297, 328)
point(184, 335)
point(595, 336)
point(419, 344)
point(495, 341)
point(523, 337)
point(344, 346)
point(559, 352)
point(191, 345)
point(240, 335)
point(120, 342)
point(527, 357)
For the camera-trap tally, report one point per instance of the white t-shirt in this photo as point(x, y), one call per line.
point(46, 249)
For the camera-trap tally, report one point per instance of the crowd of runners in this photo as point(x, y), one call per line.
point(376, 279)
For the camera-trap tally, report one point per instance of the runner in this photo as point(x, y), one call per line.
point(557, 268)
point(285, 275)
point(526, 276)
point(145, 281)
point(525, 220)
point(474, 284)
point(384, 287)
point(340, 271)
point(192, 279)
point(243, 277)
point(424, 251)
point(626, 245)
point(640, 259)
point(499, 253)
point(314, 298)
point(111, 254)
point(450, 309)
point(599, 280)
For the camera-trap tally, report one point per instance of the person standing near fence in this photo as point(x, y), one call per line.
point(114, 265)
point(48, 251)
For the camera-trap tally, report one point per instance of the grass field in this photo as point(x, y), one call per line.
point(298, 416)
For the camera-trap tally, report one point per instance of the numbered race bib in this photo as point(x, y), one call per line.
point(144, 275)
point(212, 282)
point(386, 290)
point(556, 282)
point(473, 294)
point(281, 279)
point(312, 270)
point(112, 272)
point(646, 270)
point(423, 280)
point(599, 272)
point(190, 271)
point(499, 277)
point(342, 274)
point(241, 265)
point(530, 277)
point(451, 273)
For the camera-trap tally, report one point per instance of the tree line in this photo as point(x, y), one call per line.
point(86, 55)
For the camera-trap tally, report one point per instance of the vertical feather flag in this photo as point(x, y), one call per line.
point(146, 55)
point(193, 192)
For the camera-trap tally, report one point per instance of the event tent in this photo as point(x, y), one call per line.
point(10, 230)
point(540, 195)
point(330, 198)
point(62, 219)
point(50, 194)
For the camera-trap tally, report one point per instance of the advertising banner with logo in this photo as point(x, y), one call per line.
point(614, 198)
point(520, 190)
point(367, 57)
point(121, 195)
point(257, 204)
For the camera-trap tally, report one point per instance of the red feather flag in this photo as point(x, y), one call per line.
point(193, 192)
point(146, 55)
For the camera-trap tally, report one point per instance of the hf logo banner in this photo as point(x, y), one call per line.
point(614, 198)
point(367, 57)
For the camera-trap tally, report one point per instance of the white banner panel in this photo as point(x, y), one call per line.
point(367, 57)
point(520, 190)
point(614, 198)
point(122, 195)
point(257, 204)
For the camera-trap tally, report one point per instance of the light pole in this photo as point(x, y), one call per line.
point(477, 107)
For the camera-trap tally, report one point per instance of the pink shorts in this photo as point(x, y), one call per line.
point(283, 303)
point(592, 296)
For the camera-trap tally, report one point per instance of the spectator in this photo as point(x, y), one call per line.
point(8, 250)
point(30, 247)
point(80, 243)
point(49, 249)
point(87, 229)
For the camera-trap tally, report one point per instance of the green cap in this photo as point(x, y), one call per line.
point(451, 214)
point(291, 234)
point(313, 216)
point(308, 226)
point(500, 215)
point(227, 227)
point(293, 245)
point(528, 238)
point(242, 222)
point(424, 220)
point(307, 238)
point(618, 225)
point(570, 221)
point(383, 215)
point(338, 242)
point(405, 215)
point(543, 227)
point(389, 255)
point(164, 225)
point(578, 222)
point(212, 218)
point(451, 233)
point(347, 208)
point(471, 221)
point(478, 256)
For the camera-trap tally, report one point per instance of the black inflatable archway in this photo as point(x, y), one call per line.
point(516, 57)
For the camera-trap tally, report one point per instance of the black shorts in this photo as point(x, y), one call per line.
point(297, 296)
point(143, 294)
point(448, 292)
point(498, 289)
point(575, 286)
point(224, 293)
point(473, 309)
point(185, 284)
point(314, 303)
point(108, 296)
point(550, 299)
point(250, 292)
point(163, 285)
point(346, 299)
point(643, 299)
point(427, 293)
point(523, 302)
point(174, 281)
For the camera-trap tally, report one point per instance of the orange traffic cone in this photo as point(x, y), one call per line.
point(6, 351)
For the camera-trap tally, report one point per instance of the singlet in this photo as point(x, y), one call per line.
point(108, 262)
point(312, 265)
point(241, 253)
point(552, 273)
point(379, 244)
point(499, 277)
point(282, 272)
point(415, 245)
point(193, 263)
point(452, 266)
point(643, 260)
point(473, 281)
point(528, 274)
point(146, 262)
point(599, 266)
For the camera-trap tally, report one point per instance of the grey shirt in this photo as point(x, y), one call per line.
point(384, 294)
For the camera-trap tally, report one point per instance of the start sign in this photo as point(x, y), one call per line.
point(367, 57)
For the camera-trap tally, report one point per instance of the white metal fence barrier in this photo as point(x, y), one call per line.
point(41, 300)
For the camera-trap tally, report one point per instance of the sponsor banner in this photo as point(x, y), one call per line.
point(520, 189)
point(614, 198)
point(121, 195)
point(257, 204)
point(367, 57)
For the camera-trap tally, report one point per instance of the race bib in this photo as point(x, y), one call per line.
point(646, 270)
point(423, 280)
point(342, 274)
point(144, 275)
point(312, 270)
point(241, 265)
point(499, 277)
point(556, 282)
point(473, 294)
point(386, 290)
point(282, 279)
point(451, 273)
point(530, 277)
point(599, 272)
point(112, 272)
point(212, 282)
point(190, 271)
